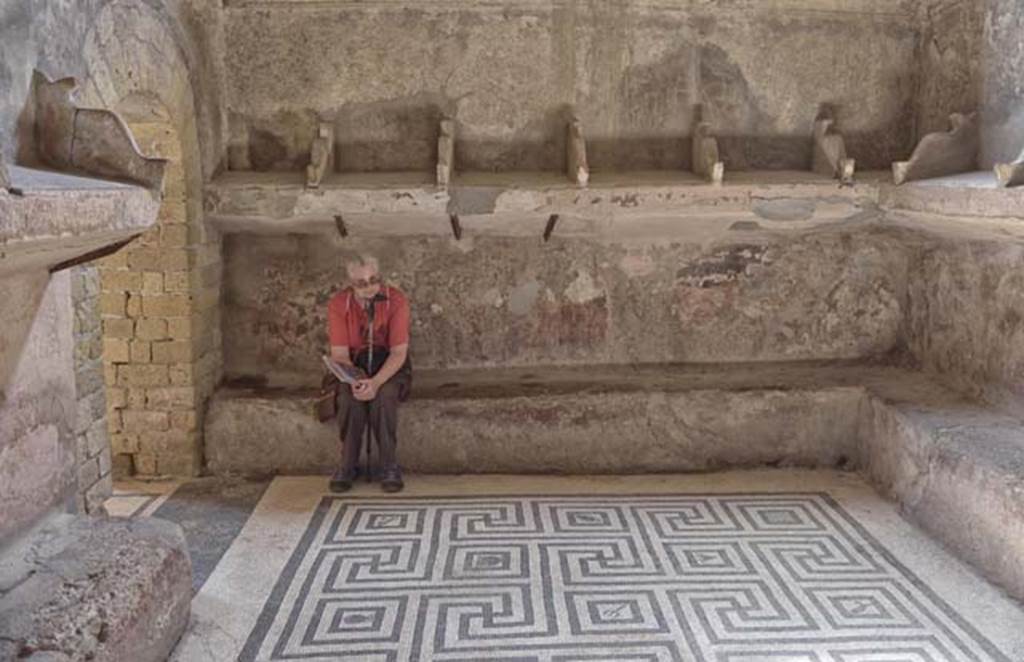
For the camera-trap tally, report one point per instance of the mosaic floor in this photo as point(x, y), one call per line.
point(825, 573)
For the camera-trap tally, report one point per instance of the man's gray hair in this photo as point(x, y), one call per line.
point(362, 260)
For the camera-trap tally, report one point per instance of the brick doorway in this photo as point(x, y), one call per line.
point(157, 300)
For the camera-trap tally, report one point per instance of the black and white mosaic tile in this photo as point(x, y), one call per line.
point(715, 577)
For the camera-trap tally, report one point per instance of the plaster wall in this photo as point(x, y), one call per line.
point(950, 61)
point(1003, 82)
point(506, 300)
point(966, 314)
point(37, 400)
point(384, 72)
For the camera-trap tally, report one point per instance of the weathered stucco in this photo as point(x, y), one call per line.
point(37, 400)
point(966, 314)
point(1003, 82)
point(505, 300)
point(384, 73)
point(950, 61)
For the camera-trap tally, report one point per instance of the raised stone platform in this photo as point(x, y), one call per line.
point(954, 466)
point(83, 588)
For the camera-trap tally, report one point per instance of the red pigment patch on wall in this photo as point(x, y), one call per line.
point(701, 305)
point(570, 324)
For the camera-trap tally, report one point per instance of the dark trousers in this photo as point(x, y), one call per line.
point(381, 413)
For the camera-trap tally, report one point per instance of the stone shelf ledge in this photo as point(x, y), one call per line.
point(47, 217)
point(280, 202)
point(967, 194)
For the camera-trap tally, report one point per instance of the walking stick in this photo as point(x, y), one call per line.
point(371, 313)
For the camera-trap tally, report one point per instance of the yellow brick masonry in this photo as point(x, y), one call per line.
point(161, 326)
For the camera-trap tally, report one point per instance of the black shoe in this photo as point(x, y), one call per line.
point(391, 480)
point(342, 479)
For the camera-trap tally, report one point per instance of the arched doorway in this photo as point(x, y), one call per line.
point(157, 299)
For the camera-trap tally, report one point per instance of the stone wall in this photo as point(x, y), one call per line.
point(1003, 82)
point(506, 300)
point(92, 442)
point(37, 400)
point(966, 313)
point(124, 54)
point(950, 61)
point(383, 72)
point(161, 324)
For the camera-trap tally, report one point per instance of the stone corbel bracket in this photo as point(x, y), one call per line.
point(576, 152)
point(941, 154)
point(706, 161)
point(1010, 174)
point(88, 140)
point(321, 155)
point(446, 152)
point(830, 157)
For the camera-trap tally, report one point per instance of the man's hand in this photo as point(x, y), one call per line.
point(364, 390)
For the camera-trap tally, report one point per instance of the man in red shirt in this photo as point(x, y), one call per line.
point(376, 398)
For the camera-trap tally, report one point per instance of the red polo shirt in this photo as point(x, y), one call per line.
point(348, 323)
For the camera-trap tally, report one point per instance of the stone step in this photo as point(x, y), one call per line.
point(956, 469)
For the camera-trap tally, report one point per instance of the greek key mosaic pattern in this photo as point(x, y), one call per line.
point(724, 578)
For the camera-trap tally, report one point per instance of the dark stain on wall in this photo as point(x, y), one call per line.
point(722, 267)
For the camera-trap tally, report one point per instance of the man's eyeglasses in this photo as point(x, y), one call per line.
point(367, 282)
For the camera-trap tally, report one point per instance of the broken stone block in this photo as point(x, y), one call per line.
point(321, 158)
point(576, 148)
point(830, 157)
point(446, 152)
point(88, 588)
point(706, 161)
point(102, 144)
point(941, 154)
point(1010, 174)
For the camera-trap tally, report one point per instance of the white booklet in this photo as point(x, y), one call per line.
point(346, 373)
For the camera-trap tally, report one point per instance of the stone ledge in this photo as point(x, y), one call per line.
point(624, 432)
point(52, 217)
point(967, 194)
point(81, 588)
point(409, 203)
point(575, 419)
point(957, 469)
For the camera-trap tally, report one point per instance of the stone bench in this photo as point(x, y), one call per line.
point(955, 467)
point(595, 419)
